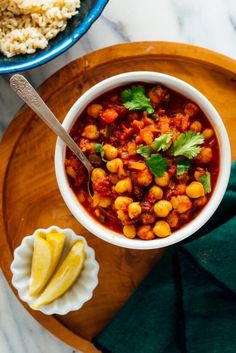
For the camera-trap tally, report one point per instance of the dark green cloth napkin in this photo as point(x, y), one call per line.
point(188, 301)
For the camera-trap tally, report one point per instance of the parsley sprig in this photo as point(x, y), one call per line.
point(187, 144)
point(206, 182)
point(98, 148)
point(134, 98)
point(144, 151)
point(162, 142)
point(157, 164)
point(183, 167)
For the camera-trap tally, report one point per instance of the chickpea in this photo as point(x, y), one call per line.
point(134, 210)
point(98, 173)
point(132, 148)
point(196, 126)
point(124, 185)
point(143, 177)
point(195, 190)
point(93, 110)
point(116, 166)
point(110, 151)
point(104, 201)
point(71, 172)
point(162, 229)
point(129, 231)
point(91, 132)
point(206, 155)
point(208, 133)
point(96, 199)
point(123, 217)
point(122, 202)
point(155, 193)
point(172, 219)
point(162, 208)
point(181, 203)
point(164, 180)
point(145, 232)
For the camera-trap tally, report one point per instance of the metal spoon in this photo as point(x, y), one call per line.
point(28, 94)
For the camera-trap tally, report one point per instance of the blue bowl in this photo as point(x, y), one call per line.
point(76, 28)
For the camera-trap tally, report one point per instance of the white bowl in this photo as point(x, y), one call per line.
point(77, 295)
point(225, 159)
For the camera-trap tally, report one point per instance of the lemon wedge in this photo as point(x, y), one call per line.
point(57, 241)
point(64, 277)
point(46, 254)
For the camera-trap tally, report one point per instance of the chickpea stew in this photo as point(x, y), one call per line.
point(155, 157)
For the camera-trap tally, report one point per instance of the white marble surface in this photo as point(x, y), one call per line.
point(208, 23)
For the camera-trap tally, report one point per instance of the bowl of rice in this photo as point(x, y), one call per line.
point(33, 32)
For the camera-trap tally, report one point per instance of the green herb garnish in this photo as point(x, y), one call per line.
point(98, 148)
point(206, 182)
point(187, 144)
point(183, 167)
point(157, 164)
point(144, 151)
point(162, 142)
point(134, 98)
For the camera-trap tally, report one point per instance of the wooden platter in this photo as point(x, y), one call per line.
point(30, 198)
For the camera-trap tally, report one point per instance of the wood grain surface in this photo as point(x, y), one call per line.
point(30, 198)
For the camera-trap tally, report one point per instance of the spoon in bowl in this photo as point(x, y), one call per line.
point(28, 94)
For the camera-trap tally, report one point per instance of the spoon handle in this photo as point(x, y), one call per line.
point(28, 94)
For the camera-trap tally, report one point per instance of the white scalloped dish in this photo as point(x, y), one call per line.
point(80, 292)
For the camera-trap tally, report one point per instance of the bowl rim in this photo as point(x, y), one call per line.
point(224, 171)
point(62, 46)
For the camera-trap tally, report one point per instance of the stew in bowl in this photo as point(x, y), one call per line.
point(156, 157)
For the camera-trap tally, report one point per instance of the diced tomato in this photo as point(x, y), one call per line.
point(137, 124)
point(146, 136)
point(138, 192)
point(178, 189)
point(157, 94)
point(126, 131)
point(120, 109)
point(181, 122)
point(148, 218)
point(146, 206)
point(103, 187)
point(164, 125)
point(75, 170)
point(109, 115)
point(79, 179)
point(191, 109)
point(172, 170)
point(161, 111)
point(86, 145)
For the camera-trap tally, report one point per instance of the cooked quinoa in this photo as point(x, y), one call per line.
point(28, 25)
